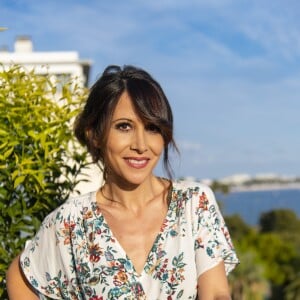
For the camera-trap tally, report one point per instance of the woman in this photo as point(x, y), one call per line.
point(139, 236)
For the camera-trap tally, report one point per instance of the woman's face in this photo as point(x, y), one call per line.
point(133, 148)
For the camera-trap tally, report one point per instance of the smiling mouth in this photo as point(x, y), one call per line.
point(137, 163)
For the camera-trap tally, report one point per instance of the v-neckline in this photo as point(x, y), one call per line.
point(164, 225)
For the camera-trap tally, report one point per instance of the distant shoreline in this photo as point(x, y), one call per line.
point(250, 204)
point(264, 187)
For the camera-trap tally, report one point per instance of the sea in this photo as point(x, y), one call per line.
point(251, 204)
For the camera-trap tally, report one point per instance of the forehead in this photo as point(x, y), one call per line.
point(124, 108)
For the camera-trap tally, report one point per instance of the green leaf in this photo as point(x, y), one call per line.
point(3, 133)
point(8, 152)
point(19, 180)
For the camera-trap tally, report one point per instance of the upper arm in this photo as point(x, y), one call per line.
point(16, 283)
point(213, 284)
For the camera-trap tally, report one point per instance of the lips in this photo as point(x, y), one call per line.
point(137, 163)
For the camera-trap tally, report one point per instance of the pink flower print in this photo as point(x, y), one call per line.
point(199, 243)
point(67, 231)
point(203, 201)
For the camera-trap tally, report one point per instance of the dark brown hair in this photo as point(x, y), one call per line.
point(148, 98)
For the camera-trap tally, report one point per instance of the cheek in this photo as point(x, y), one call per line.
point(113, 152)
point(116, 143)
point(158, 146)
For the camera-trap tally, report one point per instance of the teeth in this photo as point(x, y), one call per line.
point(136, 162)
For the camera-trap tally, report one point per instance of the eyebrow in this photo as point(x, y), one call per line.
point(122, 119)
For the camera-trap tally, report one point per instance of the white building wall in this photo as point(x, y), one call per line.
point(55, 62)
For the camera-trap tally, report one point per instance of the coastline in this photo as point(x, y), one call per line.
point(264, 187)
point(251, 203)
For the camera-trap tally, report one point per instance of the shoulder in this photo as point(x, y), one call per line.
point(62, 222)
point(194, 196)
point(79, 201)
point(72, 209)
point(184, 186)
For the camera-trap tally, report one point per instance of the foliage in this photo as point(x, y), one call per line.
point(269, 255)
point(280, 220)
point(39, 159)
point(248, 281)
point(284, 259)
point(237, 226)
point(220, 187)
point(292, 290)
point(277, 255)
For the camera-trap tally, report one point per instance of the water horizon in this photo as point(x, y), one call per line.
point(250, 204)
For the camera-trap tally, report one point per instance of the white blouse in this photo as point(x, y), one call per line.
point(75, 255)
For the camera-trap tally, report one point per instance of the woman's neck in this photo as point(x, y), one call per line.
point(134, 197)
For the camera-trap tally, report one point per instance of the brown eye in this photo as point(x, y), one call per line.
point(124, 126)
point(152, 128)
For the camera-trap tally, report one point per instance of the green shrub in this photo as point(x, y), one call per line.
point(39, 158)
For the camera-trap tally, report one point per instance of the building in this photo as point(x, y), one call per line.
point(56, 63)
point(60, 65)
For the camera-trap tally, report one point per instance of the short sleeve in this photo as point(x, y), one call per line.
point(212, 240)
point(47, 261)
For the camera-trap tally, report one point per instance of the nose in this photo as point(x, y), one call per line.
point(139, 141)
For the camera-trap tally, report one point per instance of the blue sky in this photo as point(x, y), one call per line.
point(231, 69)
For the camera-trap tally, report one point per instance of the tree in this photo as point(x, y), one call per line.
point(237, 227)
point(248, 281)
point(278, 257)
point(39, 159)
point(281, 242)
point(292, 290)
point(279, 220)
point(221, 187)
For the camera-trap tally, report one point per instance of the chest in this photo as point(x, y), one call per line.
point(157, 244)
point(136, 234)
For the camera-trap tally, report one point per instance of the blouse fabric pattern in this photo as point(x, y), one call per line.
point(76, 256)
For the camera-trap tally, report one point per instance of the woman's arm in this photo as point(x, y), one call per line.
point(213, 284)
point(16, 283)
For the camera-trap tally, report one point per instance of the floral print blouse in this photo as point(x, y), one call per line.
point(75, 255)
